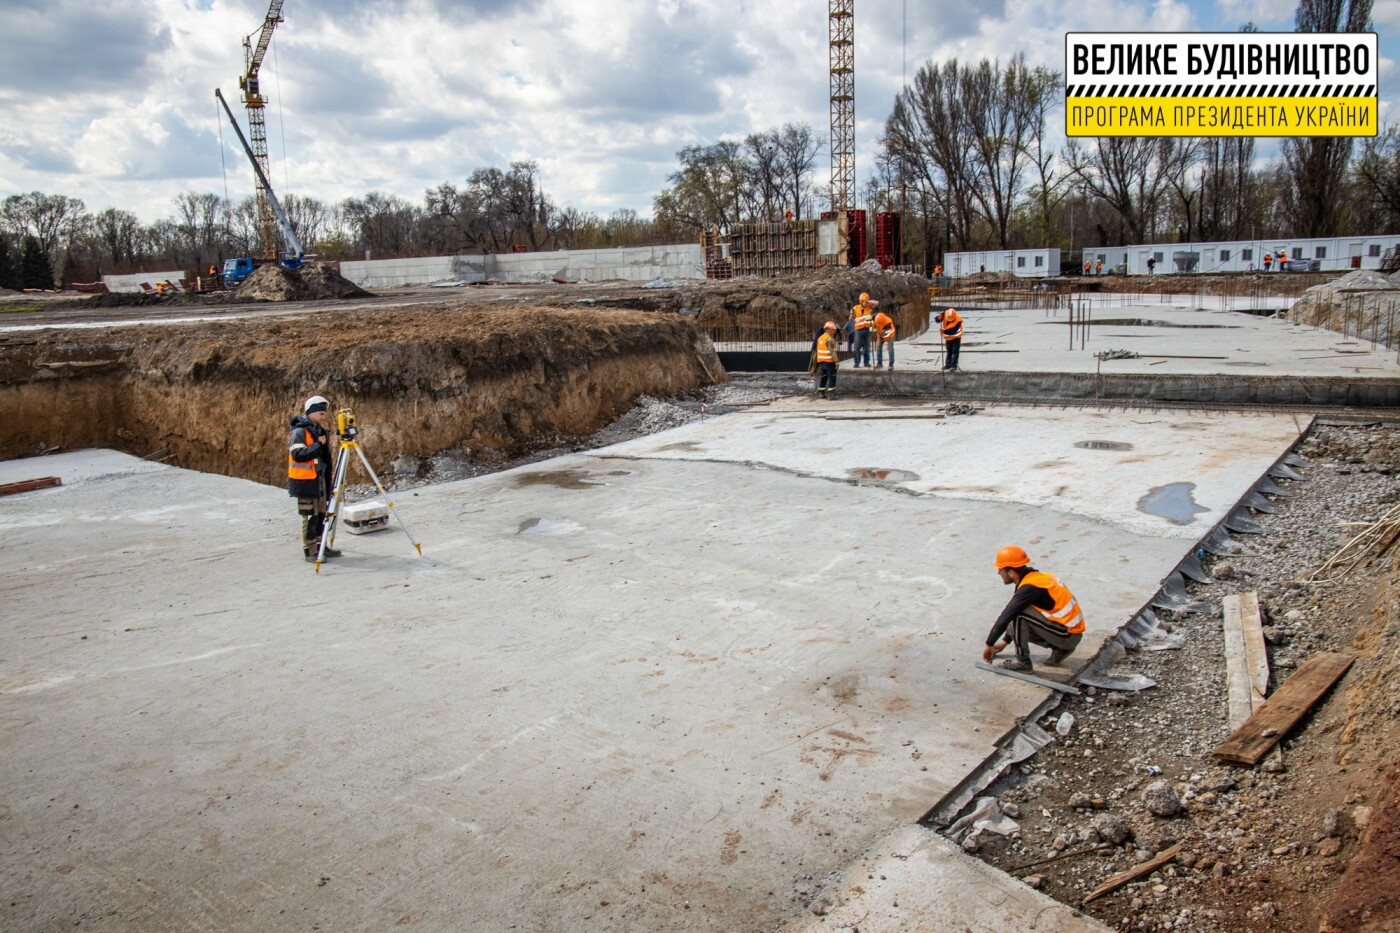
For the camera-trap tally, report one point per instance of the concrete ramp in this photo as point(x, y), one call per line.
point(667, 685)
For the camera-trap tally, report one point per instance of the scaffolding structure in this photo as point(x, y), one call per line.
point(842, 35)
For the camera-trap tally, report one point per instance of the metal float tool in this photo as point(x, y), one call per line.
point(349, 432)
point(1030, 679)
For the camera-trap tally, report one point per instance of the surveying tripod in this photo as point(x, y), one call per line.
point(345, 426)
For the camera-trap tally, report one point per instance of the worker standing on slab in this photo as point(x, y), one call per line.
point(862, 319)
point(309, 469)
point(1042, 612)
point(1283, 260)
point(1268, 261)
point(950, 324)
point(1098, 267)
point(827, 346)
point(884, 333)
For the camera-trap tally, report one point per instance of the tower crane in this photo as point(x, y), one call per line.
point(257, 126)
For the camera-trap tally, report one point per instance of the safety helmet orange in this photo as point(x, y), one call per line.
point(1012, 556)
point(829, 325)
point(864, 296)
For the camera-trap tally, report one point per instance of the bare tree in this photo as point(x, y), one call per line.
point(1125, 173)
point(1318, 164)
point(798, 149)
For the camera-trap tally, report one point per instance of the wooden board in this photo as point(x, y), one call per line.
point(1281, 712)
point(1246, 661)
point(1132, 874)
point(44, 482)
point(1030, 679)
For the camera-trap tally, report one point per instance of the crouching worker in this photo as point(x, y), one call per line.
point(309, 471)
point(1042, 612)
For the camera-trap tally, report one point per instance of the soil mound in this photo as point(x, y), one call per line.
point(1344, 305)
point(313, 281)
point(123, 300)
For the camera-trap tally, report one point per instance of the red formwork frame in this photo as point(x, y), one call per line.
point(888, 238)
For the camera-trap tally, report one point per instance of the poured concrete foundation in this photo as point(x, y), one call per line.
point(672, 684)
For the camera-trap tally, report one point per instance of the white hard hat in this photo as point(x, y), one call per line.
point(316, 400)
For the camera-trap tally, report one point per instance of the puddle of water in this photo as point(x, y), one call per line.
point(1147, 322)
point(564, 479)
point(881, 475)
point(1172, 502)
point(683, 445)
point(548, 527)
point(1103, 445)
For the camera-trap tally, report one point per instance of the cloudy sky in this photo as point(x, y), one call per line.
point(113, 102)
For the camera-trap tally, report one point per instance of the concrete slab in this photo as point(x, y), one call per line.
point(915, 881)
point(621, 690)
point(1169, 339)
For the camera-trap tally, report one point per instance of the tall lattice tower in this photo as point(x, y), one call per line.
point(842, 32)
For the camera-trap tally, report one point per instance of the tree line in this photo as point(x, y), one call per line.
point(49, 238)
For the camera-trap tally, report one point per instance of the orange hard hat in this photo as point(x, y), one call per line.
point(1012, 556)
point(829, 325)
point(864, 296)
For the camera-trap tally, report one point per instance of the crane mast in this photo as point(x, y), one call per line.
point(257, 126)
point(842, 35)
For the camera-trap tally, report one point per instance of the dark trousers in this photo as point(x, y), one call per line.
point(313, 522)
point(862, 346)
point(1027, 629)
point(952, 347)
point(827, 376)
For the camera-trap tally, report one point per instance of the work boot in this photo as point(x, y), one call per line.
point(1058, 655)
point(1022, 665)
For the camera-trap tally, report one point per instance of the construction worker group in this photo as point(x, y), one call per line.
point(866, 325)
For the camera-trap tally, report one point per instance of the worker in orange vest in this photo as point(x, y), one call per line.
point(950, 325)
point(1283, 260)
point(862, 319)
point(826, 348)
point(1098, 267)
point(1041, 612)
point(1268, 261)
point(937, 271)
point(1087, 266)
point(884, 335)
point(309, 469)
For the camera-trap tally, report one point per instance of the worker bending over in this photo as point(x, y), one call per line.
point(884, 335)
point(1041, 612)
point(950, 324)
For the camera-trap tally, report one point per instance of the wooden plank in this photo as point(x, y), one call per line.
point(29, 485)
point(1290, 703)
point(1030, 679)
point(1134, 873)
point(1246, 659)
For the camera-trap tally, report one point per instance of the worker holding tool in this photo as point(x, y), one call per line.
point(884, 334)
point(1041, 612)
point(862, 318)
point(950, 324)
point(309, 472)
point(826, 359)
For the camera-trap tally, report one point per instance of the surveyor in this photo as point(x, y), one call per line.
point(309, 469)
point(950, 325)
point(862, 317)
point(826, 347)
point(1041, 612)
point(884, 335)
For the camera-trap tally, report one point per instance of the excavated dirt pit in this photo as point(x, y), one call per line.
point(485, 384)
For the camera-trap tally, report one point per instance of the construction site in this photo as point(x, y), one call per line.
point(645, 633)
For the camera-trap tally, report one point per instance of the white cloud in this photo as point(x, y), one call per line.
point(400, 95)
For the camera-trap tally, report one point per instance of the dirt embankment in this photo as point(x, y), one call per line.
point(785, 307)
point(219, 397)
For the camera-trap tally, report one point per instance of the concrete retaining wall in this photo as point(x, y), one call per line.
point(632, 264)
point(132, 282)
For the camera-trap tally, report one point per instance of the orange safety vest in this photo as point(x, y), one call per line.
point(1088, 266)
point(1268, 257)
point(862, 316)
point(952, 325)
point(826, 348)
point(301, 469)
point(884, 326)
point(937, 270)
point(1066, 610)
point(1283, 255)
